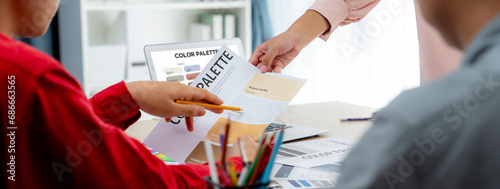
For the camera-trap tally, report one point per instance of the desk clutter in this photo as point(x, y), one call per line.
point(305, 164)
point(310, 163)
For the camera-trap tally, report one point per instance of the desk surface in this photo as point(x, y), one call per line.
point(324, 115)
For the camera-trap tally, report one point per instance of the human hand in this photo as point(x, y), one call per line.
point(158, 98)
point(250, 146)
point(276, 53)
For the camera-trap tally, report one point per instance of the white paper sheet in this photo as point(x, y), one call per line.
point(262, 97)
point(287, 176)
point(322, 154)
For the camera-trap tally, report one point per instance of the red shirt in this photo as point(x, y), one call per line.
point(59, 139)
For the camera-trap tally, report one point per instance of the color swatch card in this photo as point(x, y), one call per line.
point(261, 96)
point(162, 157)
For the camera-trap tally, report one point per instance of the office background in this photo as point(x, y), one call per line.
point(366, 63)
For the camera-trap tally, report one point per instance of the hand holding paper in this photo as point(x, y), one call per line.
point(158, 98)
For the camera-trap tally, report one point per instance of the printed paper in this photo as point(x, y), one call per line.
point(262, 97)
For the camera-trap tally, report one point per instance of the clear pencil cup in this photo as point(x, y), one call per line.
point(211, 185)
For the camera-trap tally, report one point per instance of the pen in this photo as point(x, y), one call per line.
point(245, 163)
point(206, 105)
point(224, 145)
point(243, 153)
point(358, 119)
point(211, 163)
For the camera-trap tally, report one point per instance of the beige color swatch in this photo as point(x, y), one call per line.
point(237, 129)
point(273, 87)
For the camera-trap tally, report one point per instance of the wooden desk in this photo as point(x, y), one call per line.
point(324, 115)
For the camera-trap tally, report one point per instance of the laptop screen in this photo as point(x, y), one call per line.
point(182, 62)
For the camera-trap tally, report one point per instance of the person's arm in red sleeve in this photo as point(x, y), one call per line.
point(76, 148)
point(116, 106)
point(120, 103)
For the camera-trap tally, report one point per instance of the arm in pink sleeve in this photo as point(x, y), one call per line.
point(342, 12)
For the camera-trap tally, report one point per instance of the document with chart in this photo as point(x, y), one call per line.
point(321, 154)
point(289, 176)
point(261, 96)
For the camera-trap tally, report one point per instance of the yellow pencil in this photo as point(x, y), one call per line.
point(209, 105)
point(232, 173)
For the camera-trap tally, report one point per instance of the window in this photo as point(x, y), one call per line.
point(366, 63)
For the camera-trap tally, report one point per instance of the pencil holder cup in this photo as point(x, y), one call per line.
point(211, 185)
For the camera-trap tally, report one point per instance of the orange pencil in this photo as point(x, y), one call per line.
point(206, 105)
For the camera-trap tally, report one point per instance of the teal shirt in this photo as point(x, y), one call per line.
point(444, 134)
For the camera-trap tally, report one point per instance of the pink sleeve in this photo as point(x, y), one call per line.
point(342, 12)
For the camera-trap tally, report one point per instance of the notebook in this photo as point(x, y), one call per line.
point(183, 62)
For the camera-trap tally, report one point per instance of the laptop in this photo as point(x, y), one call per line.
point(183, 62)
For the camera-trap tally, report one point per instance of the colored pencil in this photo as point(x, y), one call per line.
point(270, 164)
point(206, 105)
point(358, 119)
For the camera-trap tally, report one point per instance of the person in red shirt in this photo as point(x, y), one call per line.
point(54, 137)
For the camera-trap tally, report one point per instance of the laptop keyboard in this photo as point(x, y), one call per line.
point(275, 126)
